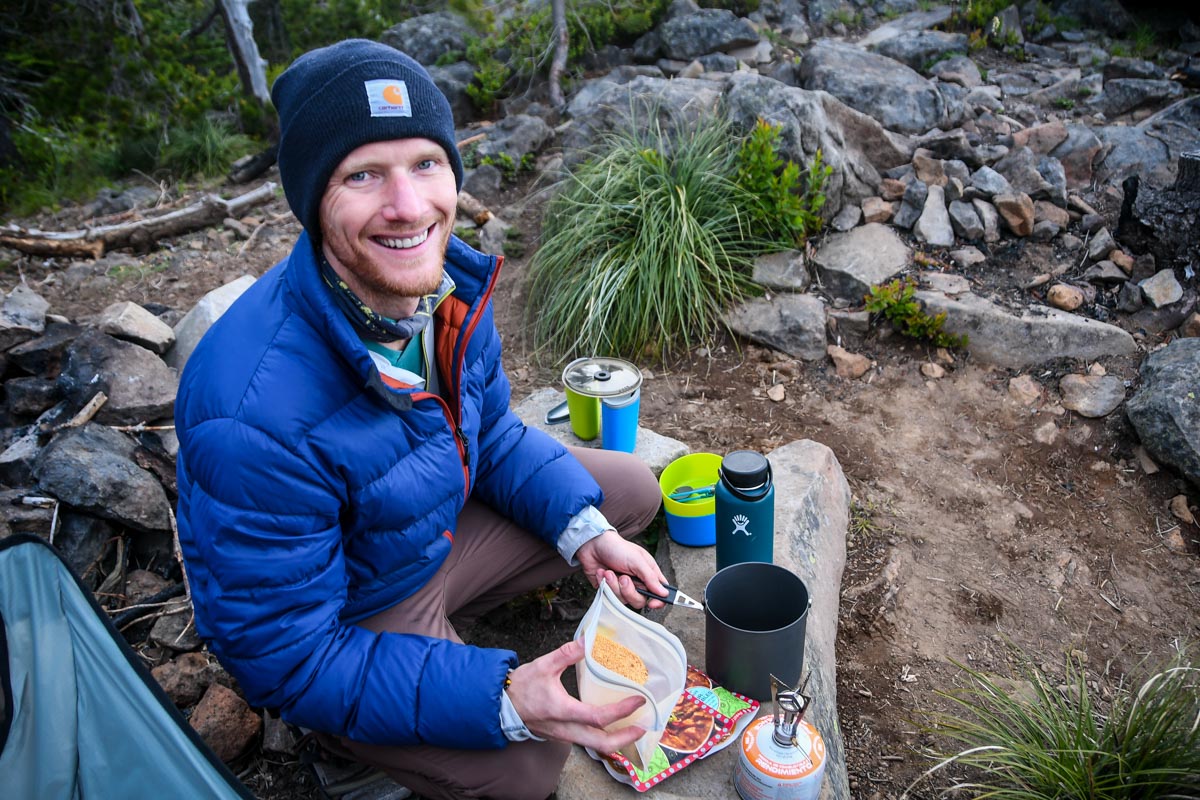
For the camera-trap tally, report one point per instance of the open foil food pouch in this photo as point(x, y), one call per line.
point(627, 654)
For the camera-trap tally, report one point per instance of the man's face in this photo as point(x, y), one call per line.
point(386, 217)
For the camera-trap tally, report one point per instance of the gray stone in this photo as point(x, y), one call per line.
point(31, 395)
point(22, 316)
point(705, 31)
point(1162, 289)
point(493, 235)
point(1100, 245)
point(514, 137)
point(1044, 230)
point(946, 283)
point(1127, 94)
point(483, 182)
point(784, 271)
point(849, 264)
point(848, 327)
point(912, 204)
point(1020, 168)
point(895, 95)
point(959, 69)
point(1105, 273)
point(912, 21)
point(989, 183)
point(19, 459)
point(1010, 26)
point(656, 450)
point(1129, 299)
point(1055, 176)
point(453, 80)
point(84, 541)
point(196, 322)
point(139, 386)
point(791, 323)
point(175, 630)
point(1039, 335)
point(990, 218)
point(847, 218)
point(1164, 409)
point(966, 221)
point(43, 354)
point(1092, 395)
point(1123, 67)
point(933, 226)
point(92, 469)
point(967, 257)
point(428, 37)
point(917, 49)
point(129, 321)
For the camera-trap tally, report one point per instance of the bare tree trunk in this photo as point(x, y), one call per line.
point(135, 22)
point(559, 63)
point(239, 32)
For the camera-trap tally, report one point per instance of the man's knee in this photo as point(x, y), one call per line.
point(531, 771)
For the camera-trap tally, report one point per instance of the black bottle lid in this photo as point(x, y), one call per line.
point(746, 471)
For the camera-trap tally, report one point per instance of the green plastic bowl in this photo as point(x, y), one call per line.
point(691, 523)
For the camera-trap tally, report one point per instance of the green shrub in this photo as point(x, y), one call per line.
point(644, 245)
point(55, 163)
point(508, 166)
point(1033, 739)
point(782, 207)
point(205, 148)
point(526, 39)
point(895, 302)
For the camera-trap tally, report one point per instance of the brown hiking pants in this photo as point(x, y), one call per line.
point(492, 561)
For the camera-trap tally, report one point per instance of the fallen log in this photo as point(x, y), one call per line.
point(476, 210)
point(94, 242)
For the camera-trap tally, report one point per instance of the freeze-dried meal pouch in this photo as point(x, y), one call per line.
point(627, 654)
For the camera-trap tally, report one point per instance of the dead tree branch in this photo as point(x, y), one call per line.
point(94, 242)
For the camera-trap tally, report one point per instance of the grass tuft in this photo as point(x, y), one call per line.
point(644, 244)
point(1030, 739)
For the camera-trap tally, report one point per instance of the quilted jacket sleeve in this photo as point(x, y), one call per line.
point(263, 549)
point(523, 473)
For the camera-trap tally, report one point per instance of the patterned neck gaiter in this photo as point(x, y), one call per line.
point(371, 324)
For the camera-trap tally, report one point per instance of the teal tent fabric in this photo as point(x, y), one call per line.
point(80, 716)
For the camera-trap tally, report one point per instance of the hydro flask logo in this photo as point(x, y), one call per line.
point(740, 523)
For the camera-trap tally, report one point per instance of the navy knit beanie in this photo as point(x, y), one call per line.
point(337, 98)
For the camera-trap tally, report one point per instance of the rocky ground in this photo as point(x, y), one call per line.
point(987, 513)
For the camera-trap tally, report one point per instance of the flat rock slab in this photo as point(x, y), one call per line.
point(812, 512)
point(1037, 336)
point(655, 449)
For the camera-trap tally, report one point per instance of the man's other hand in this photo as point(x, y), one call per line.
point(548, 711)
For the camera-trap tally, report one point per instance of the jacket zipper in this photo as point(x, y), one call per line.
point(460, 438)
point(453, 415)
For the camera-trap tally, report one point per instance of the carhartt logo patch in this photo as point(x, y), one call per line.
point(388, 98)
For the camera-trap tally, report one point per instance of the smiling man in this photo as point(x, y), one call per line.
point(352, 479)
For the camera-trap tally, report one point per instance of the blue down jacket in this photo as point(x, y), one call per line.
point(312, 495)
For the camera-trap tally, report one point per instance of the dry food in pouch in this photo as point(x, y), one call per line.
point(627, 654)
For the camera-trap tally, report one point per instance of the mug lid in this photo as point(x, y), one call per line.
point(601, 377)
point(746, 470)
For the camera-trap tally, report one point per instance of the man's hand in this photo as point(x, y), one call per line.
point(611, 559)
point(548, 711)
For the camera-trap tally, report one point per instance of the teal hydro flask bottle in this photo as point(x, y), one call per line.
point(745, 509)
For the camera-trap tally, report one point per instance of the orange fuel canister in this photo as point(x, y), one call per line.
point(782, 756)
